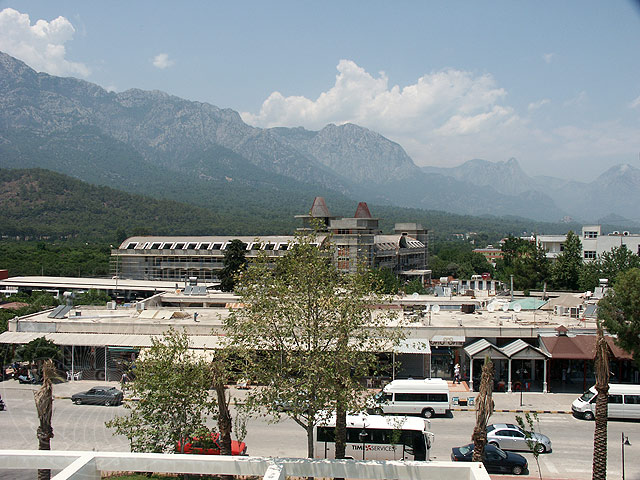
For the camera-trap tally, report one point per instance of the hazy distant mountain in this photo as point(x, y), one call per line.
point(358, 154)
point(162, 145)
point(614, 194)
point(505, 177)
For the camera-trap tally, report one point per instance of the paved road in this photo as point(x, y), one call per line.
point(82, 428)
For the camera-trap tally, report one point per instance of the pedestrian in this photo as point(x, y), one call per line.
point(456, 374)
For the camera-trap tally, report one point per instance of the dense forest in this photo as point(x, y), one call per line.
point(39, 204)
point(52, 224)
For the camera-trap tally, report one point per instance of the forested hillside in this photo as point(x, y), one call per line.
point(39, 204)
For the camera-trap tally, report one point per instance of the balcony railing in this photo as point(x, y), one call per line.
point(90, 465)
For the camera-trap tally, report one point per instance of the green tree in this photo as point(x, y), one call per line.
point(385, 281)
point(92, 297)
point(39, 349)
point(608, 265)
point(565, 272)
point(234, 262)
point(173, 385)
point(620, 311)
point(526, 261)
point(307, 333)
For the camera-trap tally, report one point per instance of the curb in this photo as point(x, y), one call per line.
point(506, 410)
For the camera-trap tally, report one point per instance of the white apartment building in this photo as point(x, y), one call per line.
point(594, 242)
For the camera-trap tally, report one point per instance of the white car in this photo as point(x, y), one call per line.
point(511, 437)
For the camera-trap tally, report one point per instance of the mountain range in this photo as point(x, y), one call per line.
point(156, 144)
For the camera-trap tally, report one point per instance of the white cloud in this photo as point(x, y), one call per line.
point(539, 104)
point(548, 57)
point(162, 61)
point(428, 118)
point(41, 45)
point(635, 103)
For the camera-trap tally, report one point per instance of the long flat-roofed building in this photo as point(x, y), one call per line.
point(357, 240)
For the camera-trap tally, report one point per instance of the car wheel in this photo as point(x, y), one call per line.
point(540, 448)
point(588, 415)
point(427, 413)
point(77, 401)
point(377, 411)
point(516, 470)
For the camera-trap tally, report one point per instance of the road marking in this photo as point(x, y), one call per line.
point(550, 466)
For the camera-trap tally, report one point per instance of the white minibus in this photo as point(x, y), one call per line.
point(376, 437)
point(624, 402)
point(424, 397)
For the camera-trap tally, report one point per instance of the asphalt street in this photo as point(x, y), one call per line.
point(81, 427)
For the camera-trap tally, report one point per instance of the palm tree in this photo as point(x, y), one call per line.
point(484, 409)
point(44, 406)
point(599, 471)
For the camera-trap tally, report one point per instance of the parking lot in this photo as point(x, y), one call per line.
point(81, 427)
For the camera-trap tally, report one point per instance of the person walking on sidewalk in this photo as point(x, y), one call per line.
point(456, 374)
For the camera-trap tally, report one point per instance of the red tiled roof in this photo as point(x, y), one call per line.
point(319, 208)
point(580, 347)
point(362, 211)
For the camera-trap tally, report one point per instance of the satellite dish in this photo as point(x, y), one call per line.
point(435, 308)
point(517, 307)
point(415, 295)
point(491, 308)
point(505, 307)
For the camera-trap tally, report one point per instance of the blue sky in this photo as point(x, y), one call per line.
point(554, 84)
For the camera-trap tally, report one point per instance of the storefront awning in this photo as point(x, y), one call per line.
point(413, 345)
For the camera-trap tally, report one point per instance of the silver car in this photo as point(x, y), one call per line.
point(511, 437)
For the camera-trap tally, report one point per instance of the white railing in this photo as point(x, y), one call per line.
point(89, 465)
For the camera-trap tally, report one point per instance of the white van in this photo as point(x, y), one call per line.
point(624, 402)
point(424, 397)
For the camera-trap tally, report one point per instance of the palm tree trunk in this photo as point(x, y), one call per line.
point(599, 471)
point(44, 406)
point(484, 409)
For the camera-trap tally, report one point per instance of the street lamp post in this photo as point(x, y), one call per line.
point(625, 443)
point(521, 372)
point(363, 435)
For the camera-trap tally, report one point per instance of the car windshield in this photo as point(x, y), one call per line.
point(588, 395)
point(466, 450)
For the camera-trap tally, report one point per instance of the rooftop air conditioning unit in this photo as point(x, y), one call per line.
point(139, 306)
point(111, 305)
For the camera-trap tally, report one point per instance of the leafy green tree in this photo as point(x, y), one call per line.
point(565, 272)
point(307, 333)
point(92, 297)
point(385, 281)
point(173, 385)
point(38, 349)
point(620, 311)
point(526, 261)
point(608, 265)
point(234, 262)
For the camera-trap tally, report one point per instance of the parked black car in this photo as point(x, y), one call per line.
point(98, 396)
point(495, 459)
